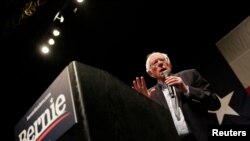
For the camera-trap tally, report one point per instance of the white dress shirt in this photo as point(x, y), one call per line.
point(181, 125)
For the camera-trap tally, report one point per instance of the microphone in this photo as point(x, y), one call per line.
point(166, 73)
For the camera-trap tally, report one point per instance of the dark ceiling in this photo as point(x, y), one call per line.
point(113, 35)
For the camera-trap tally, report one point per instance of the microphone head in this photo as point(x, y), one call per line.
point(166, 73)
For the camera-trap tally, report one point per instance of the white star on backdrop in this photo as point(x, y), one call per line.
point(225, 108)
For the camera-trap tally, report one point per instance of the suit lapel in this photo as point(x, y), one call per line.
point(160, 99)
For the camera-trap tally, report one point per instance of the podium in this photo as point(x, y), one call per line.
point(85, 103)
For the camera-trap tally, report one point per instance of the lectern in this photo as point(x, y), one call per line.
point(85, 103)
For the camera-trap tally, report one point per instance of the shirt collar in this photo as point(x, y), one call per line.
point(162, 85)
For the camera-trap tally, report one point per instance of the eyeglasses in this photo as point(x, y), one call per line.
point(157, 61)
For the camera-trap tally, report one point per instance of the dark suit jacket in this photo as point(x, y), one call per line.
point(196, 105)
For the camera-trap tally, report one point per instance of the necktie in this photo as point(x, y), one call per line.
point(174, 101)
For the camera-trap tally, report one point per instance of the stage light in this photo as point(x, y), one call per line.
point(56, 32)
point(51, 41)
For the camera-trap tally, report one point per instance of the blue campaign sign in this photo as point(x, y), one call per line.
point(52, 114)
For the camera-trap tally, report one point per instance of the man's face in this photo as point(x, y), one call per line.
point(158, 64)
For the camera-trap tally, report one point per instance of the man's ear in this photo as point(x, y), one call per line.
point(150, 73)
point(170, 65)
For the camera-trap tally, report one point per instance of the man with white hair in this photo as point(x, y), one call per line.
point(186, 95)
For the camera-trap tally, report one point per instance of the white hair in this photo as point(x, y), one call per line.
point(148, 59)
